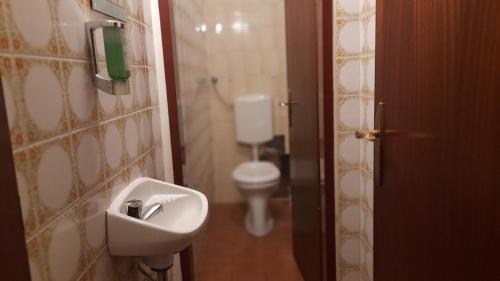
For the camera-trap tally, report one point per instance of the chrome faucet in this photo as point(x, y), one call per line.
point(134, 209)
point(151, 211)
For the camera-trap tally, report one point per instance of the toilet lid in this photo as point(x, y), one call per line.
point(256, 172)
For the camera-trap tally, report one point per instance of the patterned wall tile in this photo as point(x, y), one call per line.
point(88, 156)
point(65, 233)
point(74, 147)
point(26, 187)
point(51, 165)
point(82, 95)
point(354, 109)
point(112, 138)
point(31, 26)
point(44, 102)
point(4, 35)
point(37, 259)
point(70, 17)
point(13, 100)
point(93, 217)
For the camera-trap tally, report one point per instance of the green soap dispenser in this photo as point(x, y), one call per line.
point(116, 55)
point(113, 31)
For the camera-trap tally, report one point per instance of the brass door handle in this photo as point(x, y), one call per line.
point(287, 103)
point(375, 136)
point(369, 136)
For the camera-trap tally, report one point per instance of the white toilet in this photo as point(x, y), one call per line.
point(257, 180)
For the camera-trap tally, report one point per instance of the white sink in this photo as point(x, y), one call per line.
point(165, 233)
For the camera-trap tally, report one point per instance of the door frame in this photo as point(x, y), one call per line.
point(325, 98)
point(14, 265)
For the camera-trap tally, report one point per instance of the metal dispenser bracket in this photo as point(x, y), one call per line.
point(102, 83)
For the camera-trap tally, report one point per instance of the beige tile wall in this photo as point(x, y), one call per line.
point(74, 148)
point(354, 42)
point(194, 98)
point(247, 53)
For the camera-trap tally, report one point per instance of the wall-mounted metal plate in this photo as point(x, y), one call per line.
point(114, 8)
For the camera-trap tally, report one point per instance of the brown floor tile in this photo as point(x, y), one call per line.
point(234, 255)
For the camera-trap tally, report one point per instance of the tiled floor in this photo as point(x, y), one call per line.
point(234, 255)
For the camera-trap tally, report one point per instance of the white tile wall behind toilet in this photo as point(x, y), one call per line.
point(74, 149)
point(247, 53)
point(354, 42)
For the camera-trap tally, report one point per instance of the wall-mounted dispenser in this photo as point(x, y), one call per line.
point(116, 56)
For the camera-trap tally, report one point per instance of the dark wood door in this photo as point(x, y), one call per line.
point(437, 211)
point(302, 65)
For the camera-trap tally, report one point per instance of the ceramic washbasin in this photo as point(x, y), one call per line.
point(165, 233)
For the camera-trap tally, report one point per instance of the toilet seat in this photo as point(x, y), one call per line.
point(256, 174)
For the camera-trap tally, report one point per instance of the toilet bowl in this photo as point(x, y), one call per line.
point(257, 181)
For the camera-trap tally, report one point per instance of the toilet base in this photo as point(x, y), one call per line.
point(258, 227)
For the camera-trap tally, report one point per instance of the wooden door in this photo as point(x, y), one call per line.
point(437, 210)
point(303, 79)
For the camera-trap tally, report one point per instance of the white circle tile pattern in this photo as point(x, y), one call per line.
point(140, 87)
point(369, 192)
point(54, 177)
point(352, 276)
point(107, 102)
point(128, 100)
point(145, 130)
point(371, 33)
point(44, 97)
point(95, 222)
point(351, 37)
point(113, 146)
point(369, 228)
point(135, 173)
point(81, 97)
point(149, 46)
point(89, 160)
point(369, 155)
point(158, 163)
point(24, 195)
point(350, 112)
point(131, 137)
point(116, 186)
point(63, 264)
point(350, 217)
point(351, 75)
point(351, 6)
point(350, 251)
point(136, 42)
point(370, 74)
point(149, 167)
point(369, 263)
point(370, 114)
point(34, 23)
point(71, 18)
point(153, 87)
point(350, 150)
point(146, 12)
point(155, 120)
point(104, 269)
point(133, 6)
point(9, 104)
point(350, 183)
point(35, 271)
